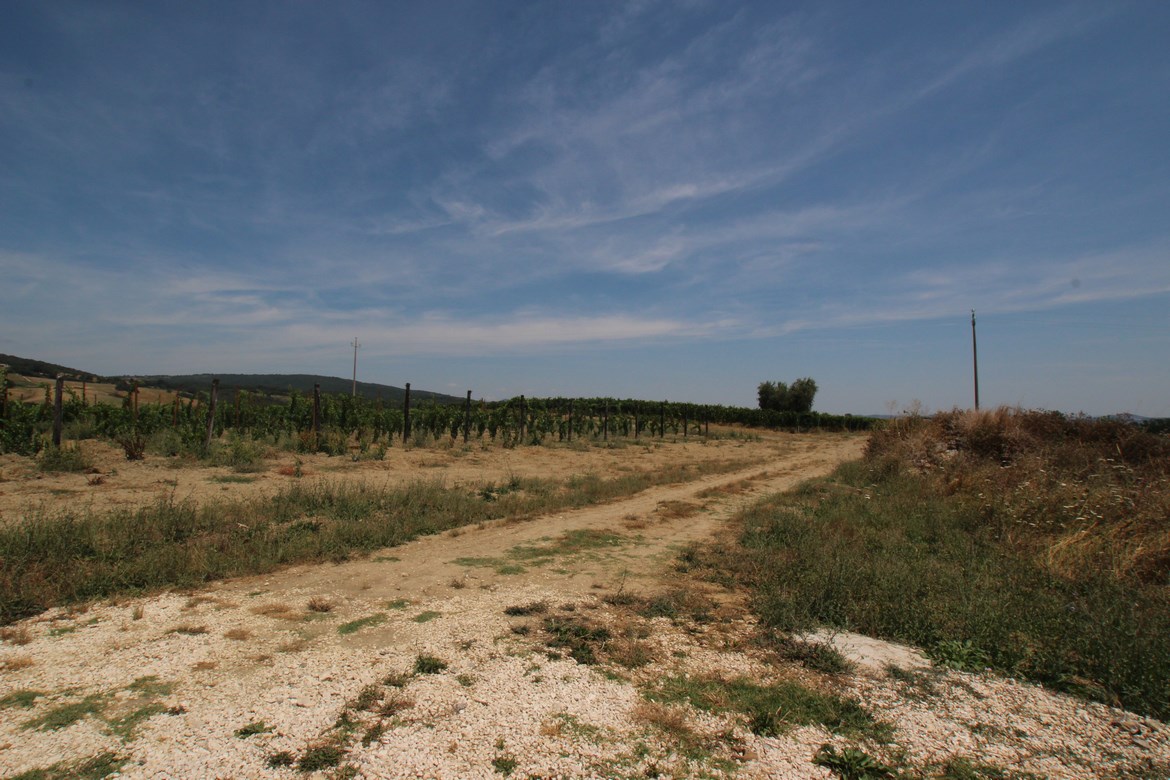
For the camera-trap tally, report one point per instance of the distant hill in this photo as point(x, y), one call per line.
point(39, 368)
point(267, 384)
point(282, 384)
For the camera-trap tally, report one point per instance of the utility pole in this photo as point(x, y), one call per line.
point(975, 359)
point(355, 346)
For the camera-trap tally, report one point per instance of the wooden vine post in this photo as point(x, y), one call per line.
point(57, 410)
point(662, 421)
point(570, 419)
point(684, 422)
point(637, 424)
point(211, 413)
point(316, 415)
point(605, 423)
point(406, 415)
point(467, 417)
point(522, 420)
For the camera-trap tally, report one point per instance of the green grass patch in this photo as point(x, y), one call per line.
point(426, 617)
point(578, 639)
point(233, 479)
point(772, 709)
point(398, 604)
point(24, 697)
point(354, 626)
point(95, 768)
point(253, 728)
point(125, 725)
point(66, 715)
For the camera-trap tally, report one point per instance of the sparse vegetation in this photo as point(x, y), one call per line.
point(429, 664)
point(354, 626)
point(1000, 539)
point(83, 554)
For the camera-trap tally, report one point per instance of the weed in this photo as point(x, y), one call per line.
point(395, 704)
point(16, 662)
point(21, 698)
point(150, 685)
point(370, 696)
point(17, 635)
point(281, 758)
point(100, 766)
point(125, 725)
point(373, 733)
point(189, 629)
point(533, 608)
point(237, 634)
point(772, 709)
point(428, 664)
point(68, 714)
point(320, 757)
point(505, 765)
point(64, 459)
point(354, 626)
point(253, 728)
point(576, 637)
point(319, 604)
point(426, 617)
point(397, 604)
point(466, 680)
point(396, 680)
point(852, 764)
point(818, 656)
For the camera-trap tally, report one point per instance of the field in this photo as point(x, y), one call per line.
point(489, 610)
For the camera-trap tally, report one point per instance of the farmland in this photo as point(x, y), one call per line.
point(670, 601)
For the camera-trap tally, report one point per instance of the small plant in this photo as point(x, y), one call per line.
point(852, 764)
point(320, 604)
point(253, 728)
point(354, 626)
point(505, 765)
point(281, 758)
point(427, 616)
point(962, 655)
point(429, 664)
point(22, 698)
point(188, 629)
point(533, 608)
point(67, 459)
point(321, 757)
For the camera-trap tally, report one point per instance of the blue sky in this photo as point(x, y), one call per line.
point(650, 199)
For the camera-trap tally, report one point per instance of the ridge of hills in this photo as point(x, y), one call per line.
point(267, 384)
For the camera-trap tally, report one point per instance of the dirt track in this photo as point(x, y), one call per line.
point(171, 679)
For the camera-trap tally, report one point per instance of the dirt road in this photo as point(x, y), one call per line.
point(472, 655)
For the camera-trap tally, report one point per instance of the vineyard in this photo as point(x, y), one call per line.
point(340, 424)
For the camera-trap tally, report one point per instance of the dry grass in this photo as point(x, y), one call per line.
point(672, 720)
point(189, 629)
point(15, 635)
point(675, 510)
point(1085, 495)
point(238, 634)
point(319, 604)
point(203, 666)
point(16, 663)
point(277, 610)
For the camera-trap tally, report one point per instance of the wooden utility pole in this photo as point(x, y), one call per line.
point(975, 359)
point(355, 346)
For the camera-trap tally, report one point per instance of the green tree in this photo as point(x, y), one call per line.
point(780, 397)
